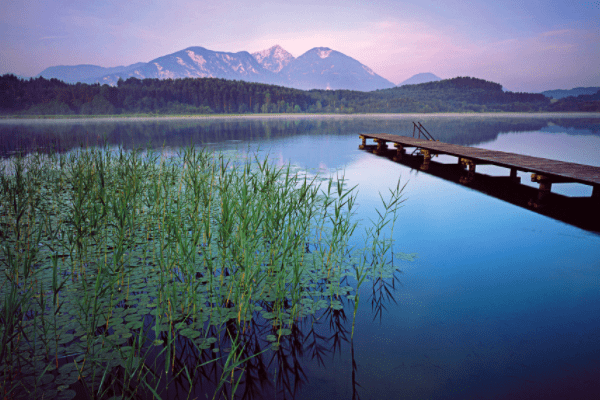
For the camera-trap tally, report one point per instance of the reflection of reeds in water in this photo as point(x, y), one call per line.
point(140, 275)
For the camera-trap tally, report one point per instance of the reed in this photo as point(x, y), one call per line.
point(117, 265)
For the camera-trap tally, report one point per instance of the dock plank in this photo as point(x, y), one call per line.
point(554, 169)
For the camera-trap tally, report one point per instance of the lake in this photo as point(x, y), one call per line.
point(500, 301)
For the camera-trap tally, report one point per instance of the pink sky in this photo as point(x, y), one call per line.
point(524, 46)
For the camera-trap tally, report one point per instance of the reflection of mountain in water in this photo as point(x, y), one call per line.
point(64, 135)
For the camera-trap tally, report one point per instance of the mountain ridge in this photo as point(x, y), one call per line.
point(274, 59)
point(196, 62)
point(329, 69)
point(419, 78)
point(81, 72)
point(318, 68)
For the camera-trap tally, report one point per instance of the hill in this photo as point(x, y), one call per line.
point(560, 93)
point(212, 95)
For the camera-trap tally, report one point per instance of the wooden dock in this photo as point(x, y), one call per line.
point(544, 171)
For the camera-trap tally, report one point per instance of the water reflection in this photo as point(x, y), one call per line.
point(501, 303)
point(315, 345)
point(577, 211)
point(64, 135)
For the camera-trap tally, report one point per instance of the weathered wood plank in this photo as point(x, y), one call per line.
point(558, 170)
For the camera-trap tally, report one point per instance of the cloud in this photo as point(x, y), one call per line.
point(560, 32)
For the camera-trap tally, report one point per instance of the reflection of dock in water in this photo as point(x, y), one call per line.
point(582, 212)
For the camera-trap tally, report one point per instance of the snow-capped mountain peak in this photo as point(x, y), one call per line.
point(322, 67)
point(323, 52)
point(318, 68)
point(274, 58)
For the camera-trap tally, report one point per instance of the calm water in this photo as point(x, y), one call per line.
point(501, 302)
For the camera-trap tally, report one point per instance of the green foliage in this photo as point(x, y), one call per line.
point(582, 103)
point(211, 95)
point(99, 105)
point(111, 262)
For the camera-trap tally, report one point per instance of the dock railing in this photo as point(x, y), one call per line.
point(423, 131)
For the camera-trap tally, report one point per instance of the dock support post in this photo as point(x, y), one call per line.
point(400, 151)
point(465, 162)
point(426, 159)
point(364, 143)
point(513, 176)
point(596, 192)
point(381, 146)
point(544, 190)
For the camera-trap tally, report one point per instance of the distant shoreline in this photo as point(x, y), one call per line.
point(118, 118)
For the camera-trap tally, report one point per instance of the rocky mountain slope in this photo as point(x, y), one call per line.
point(318, 68)
point(323, 68)
point(273, 59)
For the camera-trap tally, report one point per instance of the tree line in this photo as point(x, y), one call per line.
point(40, 96)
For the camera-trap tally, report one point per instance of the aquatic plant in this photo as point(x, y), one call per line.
point(124, 273)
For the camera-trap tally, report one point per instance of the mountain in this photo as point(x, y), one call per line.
point(273, 59)
point(423, 77)
point(323, 68)
point(84, 73)
point(560, 93)
point(198, 62)
point(318, 68)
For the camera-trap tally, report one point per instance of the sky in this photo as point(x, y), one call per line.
point(525, 45)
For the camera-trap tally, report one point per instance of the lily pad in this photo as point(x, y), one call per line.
point(189, 333)
point(66, 395)
point(135, 325)
point(336, 305)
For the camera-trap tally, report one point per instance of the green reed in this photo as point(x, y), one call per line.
point(112, 262)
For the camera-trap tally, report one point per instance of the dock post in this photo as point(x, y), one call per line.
point(381, 146)
point(596, 192)
point(364, 143)
point(544, 190)
point(399, 151)
point(465, 162)
point(426, 159)
point(513, 176)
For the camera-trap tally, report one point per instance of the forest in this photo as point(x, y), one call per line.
point(40, 96)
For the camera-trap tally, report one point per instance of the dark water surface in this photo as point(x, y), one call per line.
point(501, 302)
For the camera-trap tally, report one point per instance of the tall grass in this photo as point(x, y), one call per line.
point(125, 273)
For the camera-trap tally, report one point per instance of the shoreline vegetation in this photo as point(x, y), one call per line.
point(202, 96)
point(134, 273)
point(177, 117)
